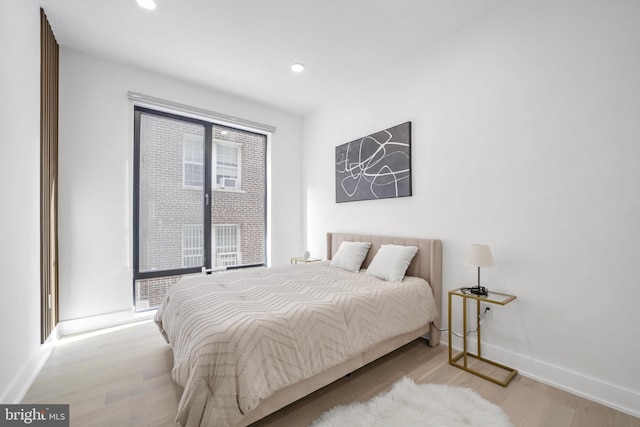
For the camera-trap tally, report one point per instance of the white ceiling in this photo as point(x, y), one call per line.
point(246, 47)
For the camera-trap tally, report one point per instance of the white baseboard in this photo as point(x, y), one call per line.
point(87, 324)
point(619, 398)
point(16, 392)
point(18, 389)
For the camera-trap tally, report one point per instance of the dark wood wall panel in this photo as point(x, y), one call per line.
point(49, 58)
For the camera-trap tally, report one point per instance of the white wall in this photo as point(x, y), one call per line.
point(96, 151)
point(19, 193)
point(526, 137)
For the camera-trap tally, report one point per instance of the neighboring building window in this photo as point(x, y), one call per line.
point(227, 161)
point(193, 154)
point(192, 248)
point(226, 245)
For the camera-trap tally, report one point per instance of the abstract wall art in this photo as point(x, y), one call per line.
point(377, 166)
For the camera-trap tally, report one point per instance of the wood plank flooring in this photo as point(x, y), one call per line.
point(123, 378)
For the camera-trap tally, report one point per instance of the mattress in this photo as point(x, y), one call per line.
point(240, 336)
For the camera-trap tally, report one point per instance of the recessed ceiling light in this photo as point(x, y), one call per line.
point(297, 67)
point(147, 4)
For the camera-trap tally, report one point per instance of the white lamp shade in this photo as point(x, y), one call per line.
point(479, 256)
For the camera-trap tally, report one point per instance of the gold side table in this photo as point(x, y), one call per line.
point(492, 298)
point(297, 259)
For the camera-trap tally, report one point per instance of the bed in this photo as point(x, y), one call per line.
point(249, 342)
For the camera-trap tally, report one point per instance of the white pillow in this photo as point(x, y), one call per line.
point(350, 255)
point(391, 262)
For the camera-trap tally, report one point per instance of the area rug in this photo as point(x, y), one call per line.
point(411, 404)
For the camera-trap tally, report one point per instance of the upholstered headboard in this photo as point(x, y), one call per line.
point(427, 263)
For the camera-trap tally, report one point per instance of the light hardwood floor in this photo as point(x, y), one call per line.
point(122, 378)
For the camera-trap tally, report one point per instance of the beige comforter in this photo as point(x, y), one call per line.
point(239, 336)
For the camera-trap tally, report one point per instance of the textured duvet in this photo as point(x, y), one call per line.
point(238, 337)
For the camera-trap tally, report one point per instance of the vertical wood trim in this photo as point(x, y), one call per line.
point(49, 59)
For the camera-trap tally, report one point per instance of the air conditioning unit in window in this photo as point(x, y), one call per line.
point(228, 182)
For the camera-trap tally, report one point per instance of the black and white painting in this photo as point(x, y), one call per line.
point(377, 166)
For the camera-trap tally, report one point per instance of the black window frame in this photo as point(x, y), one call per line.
point(207, 194)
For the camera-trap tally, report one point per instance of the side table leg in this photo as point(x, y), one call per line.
point(464, 330)
point(450, 343)
point(478, 326)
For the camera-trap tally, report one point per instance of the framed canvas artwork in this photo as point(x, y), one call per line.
point(377, 166)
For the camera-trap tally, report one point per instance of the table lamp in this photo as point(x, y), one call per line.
point(479, 256)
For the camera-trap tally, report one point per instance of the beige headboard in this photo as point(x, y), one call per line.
point(426, 264)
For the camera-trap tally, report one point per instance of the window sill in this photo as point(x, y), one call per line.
point(192, 187)
point(229, 190)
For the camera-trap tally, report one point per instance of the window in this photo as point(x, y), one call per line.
point(180, 223)
point(192, 247)
point(193, 153)
point(226, 245)
point(164, 205)
point(227, 158)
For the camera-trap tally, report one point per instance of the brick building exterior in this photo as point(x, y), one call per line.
point(172, 200)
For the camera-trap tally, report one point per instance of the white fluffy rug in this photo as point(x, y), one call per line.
point(410, 404)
